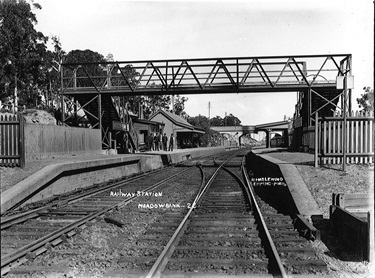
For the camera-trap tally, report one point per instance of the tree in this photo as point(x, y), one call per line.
point(153, 103)
point(231, 120)
point(86, 74)
point(366, 101)
point(179, 104)
point(217, 121)
point(203, 122)
point(53, 70)
point(22, 51)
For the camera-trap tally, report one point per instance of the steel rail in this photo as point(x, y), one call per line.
point(163, 258)
point(276, 258)
point(41, 242)
point(6, 222)
point(246, 189)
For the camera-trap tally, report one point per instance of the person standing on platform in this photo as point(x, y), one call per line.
point(161, 141)
point(149, 142)
point(156, 141)
point(165, 142)
point(153, 142)
point(171, 142)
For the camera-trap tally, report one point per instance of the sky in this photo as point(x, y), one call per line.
point(152, 30)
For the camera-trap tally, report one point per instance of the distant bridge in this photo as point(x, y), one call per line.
point(246, 129)
point(268, 128)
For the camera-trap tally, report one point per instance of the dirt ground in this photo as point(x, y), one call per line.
point(327, 179)
point(321, 181)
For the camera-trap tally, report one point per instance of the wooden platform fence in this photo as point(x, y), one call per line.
point(12, 143)
point(359, 139)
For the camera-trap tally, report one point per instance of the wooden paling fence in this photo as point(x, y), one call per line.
point(12, 148)
point(359, 140)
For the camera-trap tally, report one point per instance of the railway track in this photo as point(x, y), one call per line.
point(27, 234)
point(225, 233)
point(296, 254)
point(218, 236)
point(222, 227)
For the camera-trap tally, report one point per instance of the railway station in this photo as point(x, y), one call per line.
point(231, 193)
point(110, 167)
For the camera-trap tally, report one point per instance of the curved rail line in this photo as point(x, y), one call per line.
point(275, 258)
point(227, 230)
point(18, 214)
point(79, 205)
point(165, 256)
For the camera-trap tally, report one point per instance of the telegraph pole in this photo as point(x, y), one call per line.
point(15, 107)
point(209, 110)
point(173, 104)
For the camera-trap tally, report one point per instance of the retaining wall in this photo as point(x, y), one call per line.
point(266, 166)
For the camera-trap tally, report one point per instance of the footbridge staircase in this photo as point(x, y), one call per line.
point(104, 112)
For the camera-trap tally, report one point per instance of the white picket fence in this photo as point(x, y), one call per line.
point(359, 138)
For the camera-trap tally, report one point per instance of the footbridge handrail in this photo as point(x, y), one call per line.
point(206, 75)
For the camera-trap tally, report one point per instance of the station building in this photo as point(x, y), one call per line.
point(185, 134)
point(145, 128)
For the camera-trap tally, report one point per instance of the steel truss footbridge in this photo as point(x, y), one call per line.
point(90, 87)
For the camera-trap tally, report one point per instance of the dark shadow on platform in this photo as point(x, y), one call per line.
point(166, 159)
point(337, 249)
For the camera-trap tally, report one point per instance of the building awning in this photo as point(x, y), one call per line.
point(186, 130)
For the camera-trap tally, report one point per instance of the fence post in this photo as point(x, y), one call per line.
point(316, 143)
point(22, 141)
point(371, 244)
point(344, 128)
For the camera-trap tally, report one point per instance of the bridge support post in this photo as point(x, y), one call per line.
point(309, 122)
point(62, 110)
point(286, 138)
point(100, 114)
point(268, 138)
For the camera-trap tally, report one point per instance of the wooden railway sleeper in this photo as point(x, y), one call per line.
point(62, 234)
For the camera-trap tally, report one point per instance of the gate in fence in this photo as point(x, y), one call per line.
point(12, 149)
point(357, 135)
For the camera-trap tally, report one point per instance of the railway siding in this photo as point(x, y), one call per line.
point(64, 177)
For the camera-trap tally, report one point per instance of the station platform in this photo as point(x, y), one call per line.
point(45, 178)
point(278, 159)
